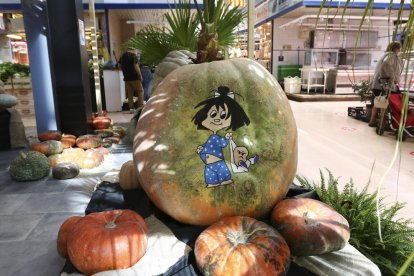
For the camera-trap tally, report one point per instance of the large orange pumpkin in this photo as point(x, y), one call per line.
point(241, 246)
point(63, 233)
point(310, 227)
point(107, 240)
point(167, 143)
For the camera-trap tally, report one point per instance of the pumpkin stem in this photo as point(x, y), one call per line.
point(23, 155)
point(112, 223)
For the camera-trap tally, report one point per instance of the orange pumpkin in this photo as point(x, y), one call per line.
point(88, 141)
point(68, 140)
point(63, 233)
point(128, 178)
point(101, 122)
point(50, 135)
point(167, 142)
point(107, 240)
point(241, 246)
point(49, 147)
point(310, 227)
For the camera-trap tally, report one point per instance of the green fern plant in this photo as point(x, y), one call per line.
point(359, 208)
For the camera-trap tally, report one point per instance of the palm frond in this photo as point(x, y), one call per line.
point(183, 25)
point(154, 44)
point(228, 20)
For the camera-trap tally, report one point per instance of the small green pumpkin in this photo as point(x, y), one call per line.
point(29, 166)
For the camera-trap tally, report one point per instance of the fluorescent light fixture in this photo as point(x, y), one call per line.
point(14, 36)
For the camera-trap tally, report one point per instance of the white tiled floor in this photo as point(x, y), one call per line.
point(328, 138)
point(31, 213)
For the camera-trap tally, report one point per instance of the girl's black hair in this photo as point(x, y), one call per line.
point(238, 119)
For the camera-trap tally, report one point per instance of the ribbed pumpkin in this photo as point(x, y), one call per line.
point(50, 135)
point(173, 173)
point(107, 240)
point(128, 178)
point(241, 246)
point(63, 233)
point(88, 141)
point(48, 147)
point(310, 227)
point(101, 122)
point(68, 140)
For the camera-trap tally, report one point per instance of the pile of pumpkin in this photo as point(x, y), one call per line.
point(235, 245)
point(66, 154)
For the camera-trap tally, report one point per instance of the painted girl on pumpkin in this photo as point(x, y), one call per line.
point(218, 112)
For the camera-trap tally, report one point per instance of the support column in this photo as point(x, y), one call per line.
point(37, 33)
point(70, 65)
point(59, 64)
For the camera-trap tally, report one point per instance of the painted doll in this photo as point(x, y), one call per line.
point(240, 162)
point(217, 113)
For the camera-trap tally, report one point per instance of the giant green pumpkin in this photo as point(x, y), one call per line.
point(175, 175)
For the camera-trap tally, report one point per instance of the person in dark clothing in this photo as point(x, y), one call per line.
point(128, 63)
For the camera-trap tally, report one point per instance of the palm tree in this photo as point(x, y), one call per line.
point(207, 31)
point(218, 21)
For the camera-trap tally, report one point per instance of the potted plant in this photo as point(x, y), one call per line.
point(363, 90)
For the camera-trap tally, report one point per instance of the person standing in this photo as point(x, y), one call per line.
point(389, 66)
point(128, 63)
point(147, 76)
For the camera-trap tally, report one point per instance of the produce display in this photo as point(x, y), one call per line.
point(241, 246)
point(310, 227)
point(221, 144)
point(107, 240)
point(128, 178)
point(29, 166)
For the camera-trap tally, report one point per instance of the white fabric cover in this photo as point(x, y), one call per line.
point(347, 261)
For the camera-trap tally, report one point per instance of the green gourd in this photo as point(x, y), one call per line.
point(29, 166)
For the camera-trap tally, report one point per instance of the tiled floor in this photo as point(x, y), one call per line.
point(31, 213)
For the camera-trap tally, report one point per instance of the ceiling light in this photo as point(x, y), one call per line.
point(14, 36)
